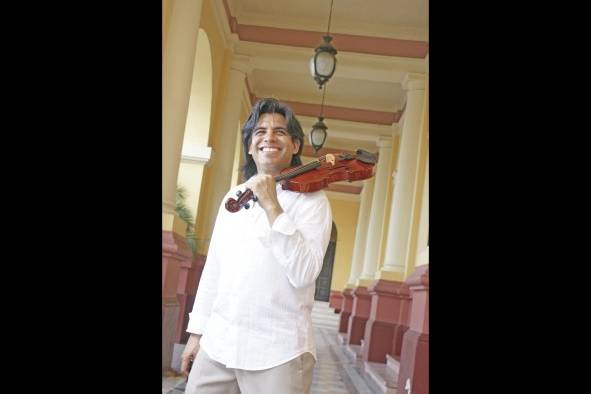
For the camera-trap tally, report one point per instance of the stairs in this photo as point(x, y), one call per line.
point(323, 316)
point(385, 376)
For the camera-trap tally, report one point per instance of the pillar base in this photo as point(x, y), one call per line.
point(414, 362)
point(383, 323)
point(378, 340)
point(335, 300)
point(346, 308)
point(414, 356)
point(170, 317)
point(359, 316)
point(356, 329)
point(344, 321)
point(397, 339)
point(189, 277)
point(175, 253)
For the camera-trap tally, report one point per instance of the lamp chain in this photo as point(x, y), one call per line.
point(322, 105)
point(329, 16)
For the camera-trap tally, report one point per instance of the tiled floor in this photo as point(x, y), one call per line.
point(334, 372)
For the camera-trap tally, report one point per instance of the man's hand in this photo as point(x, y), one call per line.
point(189, 354)
point(263, 187)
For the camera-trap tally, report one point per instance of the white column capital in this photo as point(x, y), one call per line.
point(413, 81)
point(384, 142)
point(168, 207)
point(197, 154)
point(241, 63)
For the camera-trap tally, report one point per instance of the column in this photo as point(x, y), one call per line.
point(374, 230)
point(397, 240)
point(358, 252)
point(361, 297)
point(219, 169)
point(178, 60)
point(361, 232)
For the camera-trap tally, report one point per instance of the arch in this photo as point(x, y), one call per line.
point(199, 111)
point(195, 152)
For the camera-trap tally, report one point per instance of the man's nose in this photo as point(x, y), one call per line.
point(269, 135)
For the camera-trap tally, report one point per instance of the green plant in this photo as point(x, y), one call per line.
point(185, 214)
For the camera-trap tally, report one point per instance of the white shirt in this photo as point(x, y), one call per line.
point(255, 296)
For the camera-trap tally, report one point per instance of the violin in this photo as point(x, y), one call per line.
point(316, 175)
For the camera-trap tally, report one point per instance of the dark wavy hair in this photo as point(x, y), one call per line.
point(269, 106)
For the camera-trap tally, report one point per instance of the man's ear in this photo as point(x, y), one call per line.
point(296, 143)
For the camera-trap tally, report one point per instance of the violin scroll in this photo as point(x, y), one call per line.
point(234, 205)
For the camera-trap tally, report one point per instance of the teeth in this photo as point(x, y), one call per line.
point(269, 149)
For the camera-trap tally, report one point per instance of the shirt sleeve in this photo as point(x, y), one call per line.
point(299, 240)
point(208, 284)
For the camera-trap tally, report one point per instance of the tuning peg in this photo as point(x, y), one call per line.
point(246, 206)
point(238, 193)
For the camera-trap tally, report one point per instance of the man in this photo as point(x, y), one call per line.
point(251, 329)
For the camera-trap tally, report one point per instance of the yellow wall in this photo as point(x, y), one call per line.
point(344, 215)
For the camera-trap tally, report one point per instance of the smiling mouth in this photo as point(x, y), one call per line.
point(266, 149)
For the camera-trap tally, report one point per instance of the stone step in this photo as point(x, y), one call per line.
point(393, 364)
point(323, 316)
point(327, 319)
point(324, 320)
point(353, 352)
point(324, 326)
point(325, 312)
point(383, 377)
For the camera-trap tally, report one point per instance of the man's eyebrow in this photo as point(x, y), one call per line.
point(274, 128)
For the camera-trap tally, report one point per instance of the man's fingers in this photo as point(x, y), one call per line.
point(185, 366)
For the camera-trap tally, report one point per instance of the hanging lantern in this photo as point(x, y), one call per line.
point(318, 134)
point(324, 62)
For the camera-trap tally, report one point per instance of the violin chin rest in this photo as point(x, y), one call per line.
point(366, 157)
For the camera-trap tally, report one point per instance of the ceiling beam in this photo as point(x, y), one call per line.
point(310, 39)
point(285, 59)
point(342, 113)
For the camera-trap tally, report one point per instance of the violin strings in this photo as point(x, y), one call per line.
point(299, 170)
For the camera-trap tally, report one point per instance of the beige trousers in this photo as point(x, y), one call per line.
point(210, 377)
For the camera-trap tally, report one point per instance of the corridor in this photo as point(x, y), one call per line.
point(335, 372)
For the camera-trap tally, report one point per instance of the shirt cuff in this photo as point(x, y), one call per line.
point(284, 225)
point(196, 323)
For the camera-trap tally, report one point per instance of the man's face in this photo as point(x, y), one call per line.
point(271, 145)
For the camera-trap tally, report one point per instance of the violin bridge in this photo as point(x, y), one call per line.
point(329, 157)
